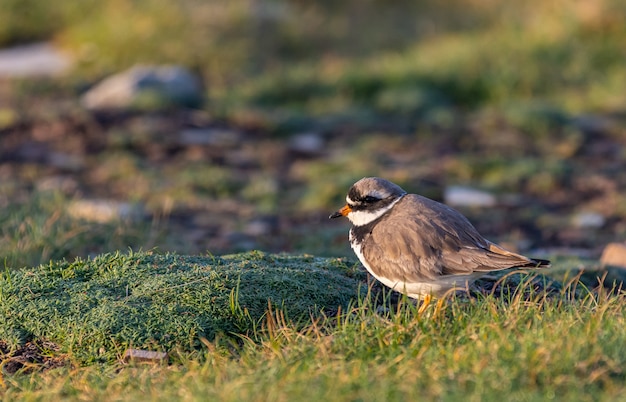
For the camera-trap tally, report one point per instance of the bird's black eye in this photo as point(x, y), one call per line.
point(370, 200)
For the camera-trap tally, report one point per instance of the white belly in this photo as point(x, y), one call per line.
point(415, 290)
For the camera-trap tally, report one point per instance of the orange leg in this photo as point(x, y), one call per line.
point(424, 305)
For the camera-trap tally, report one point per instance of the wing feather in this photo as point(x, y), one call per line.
point(438, 240)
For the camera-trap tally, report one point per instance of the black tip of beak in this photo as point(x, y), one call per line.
point(335, 215)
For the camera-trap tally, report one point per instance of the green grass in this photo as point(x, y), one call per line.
point(419, 61)
point(541, 65)
point(40, 229)
point(521, 348)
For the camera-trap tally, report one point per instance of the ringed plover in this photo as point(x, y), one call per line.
point(418, 246)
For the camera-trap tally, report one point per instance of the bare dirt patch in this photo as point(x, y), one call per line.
point(36, 355)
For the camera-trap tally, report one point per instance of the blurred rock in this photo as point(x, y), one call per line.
point(593, 124)
point(588, 220)
point(307, 144)
point(144, 356)
point(146, 87)
point(512, 200)
point(66, 161)
point(262, 226)
point(37, 59)
point(241, 241)
point(244, 158)
point(66, 184)
point(614, 254)
point(210, 136)
point(30, 151)
point(468, 197)
point(104, 211)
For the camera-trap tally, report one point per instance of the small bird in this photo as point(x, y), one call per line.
point(418, 246)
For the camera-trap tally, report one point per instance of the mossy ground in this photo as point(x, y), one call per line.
point(97, 308)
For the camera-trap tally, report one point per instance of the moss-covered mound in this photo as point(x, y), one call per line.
point(96, 308)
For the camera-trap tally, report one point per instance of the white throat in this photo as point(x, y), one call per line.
point(360, 218)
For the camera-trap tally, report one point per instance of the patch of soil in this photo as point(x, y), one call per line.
point(36, 355)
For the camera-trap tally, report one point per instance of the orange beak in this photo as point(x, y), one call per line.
point(342, 212)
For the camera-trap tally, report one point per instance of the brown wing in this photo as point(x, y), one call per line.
point(435, 241)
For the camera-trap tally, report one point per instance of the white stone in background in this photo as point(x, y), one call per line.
point(588, 220)
point(461, 196)
point(310, 144)
point(172, 84)
point(66, 184)
point(36, 59)
point(258, 227)
point(104, 211)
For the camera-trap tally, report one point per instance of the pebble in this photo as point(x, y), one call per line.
point(462, 196)
point(593, 124)
point(588, 220)
point(146, 356)
point(614, 254)
point(261, 227)
point(104, 211)
point(66, 161)
point(157, 85)
point(307, 144)
point(66, 184)
point(33, 60)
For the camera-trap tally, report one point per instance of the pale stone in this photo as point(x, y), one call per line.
point(140, 355)
point(104, 211)
point(309, 144)
point(588, 220)
point(614, 254)
point(36, 59)
point(468, 197)
point(168, 85)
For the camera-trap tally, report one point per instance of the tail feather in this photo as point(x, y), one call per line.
point(524, 261)
point(539, 263)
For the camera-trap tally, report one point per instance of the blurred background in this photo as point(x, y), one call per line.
point(204, 126)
